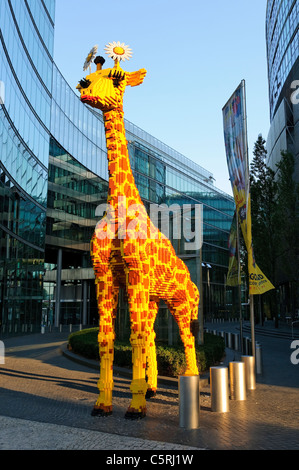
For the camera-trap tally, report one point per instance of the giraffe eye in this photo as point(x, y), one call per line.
point(117, 77)
point(85, 83)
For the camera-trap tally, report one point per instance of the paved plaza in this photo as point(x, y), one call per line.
point(47, 397)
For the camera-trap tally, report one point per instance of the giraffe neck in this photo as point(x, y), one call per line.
point(121, 179)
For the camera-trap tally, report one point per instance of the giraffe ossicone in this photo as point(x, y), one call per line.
point(146, 266)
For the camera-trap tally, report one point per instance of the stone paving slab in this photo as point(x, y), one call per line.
point(20, 434)
point(40, 387)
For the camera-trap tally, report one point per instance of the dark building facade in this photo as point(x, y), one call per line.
point(282, 40)
point(54, 175)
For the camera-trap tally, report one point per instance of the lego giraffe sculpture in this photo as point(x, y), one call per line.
point(129, 251)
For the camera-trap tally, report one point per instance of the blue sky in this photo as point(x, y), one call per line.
point(196, 52)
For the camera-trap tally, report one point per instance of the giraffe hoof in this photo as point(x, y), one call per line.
point(133, 415)
point(150, 393)
point(100, 412)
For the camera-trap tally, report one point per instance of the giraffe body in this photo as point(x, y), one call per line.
point(129, 252)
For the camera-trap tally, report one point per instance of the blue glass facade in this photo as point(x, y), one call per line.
point(282, 37)
point(282, 40)
point(54, 174)
point(26, 48)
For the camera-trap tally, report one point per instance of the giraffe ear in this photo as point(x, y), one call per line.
point(135, 78)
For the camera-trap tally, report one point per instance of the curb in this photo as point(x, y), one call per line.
point(123, 372)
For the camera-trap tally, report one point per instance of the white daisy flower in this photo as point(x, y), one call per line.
point(118, 51)
point(91, 56)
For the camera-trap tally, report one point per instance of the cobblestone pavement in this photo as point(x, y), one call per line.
point(21, 434)
point(46, 400)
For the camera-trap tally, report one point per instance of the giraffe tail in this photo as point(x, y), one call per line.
point(194, 323)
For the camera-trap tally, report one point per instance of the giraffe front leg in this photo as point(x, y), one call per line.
point(103, 405)
point(138, 297)
point(138, 387)
point(107, 304)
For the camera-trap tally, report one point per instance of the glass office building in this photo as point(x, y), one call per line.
point(54, 174)
point(282, 40)
point(26, 50)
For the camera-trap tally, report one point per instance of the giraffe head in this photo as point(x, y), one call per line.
point(104, 89)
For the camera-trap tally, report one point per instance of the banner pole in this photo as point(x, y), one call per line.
point(236, 146)
point(239, 283)
point(251, 303)
point(252, 324)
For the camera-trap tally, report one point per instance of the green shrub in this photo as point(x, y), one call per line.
point(170, 360)
point(122, 354)
point(85, 343)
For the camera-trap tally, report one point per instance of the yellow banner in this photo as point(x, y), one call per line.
point(235, 137)
point(258, 282)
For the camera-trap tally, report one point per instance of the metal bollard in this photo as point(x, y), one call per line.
point(219, 389)
point(189, 401)
point(249, 372)
point(237, 380)
point(2, 353)
point(229, 340)
point(236, 342)
point(247, 347)
point(258, 358)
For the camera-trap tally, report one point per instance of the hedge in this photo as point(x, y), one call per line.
point(171, 360)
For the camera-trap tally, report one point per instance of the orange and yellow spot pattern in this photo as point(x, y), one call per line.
point(129, 252)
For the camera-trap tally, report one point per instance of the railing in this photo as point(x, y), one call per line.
point(16, 329)
point(296, 321)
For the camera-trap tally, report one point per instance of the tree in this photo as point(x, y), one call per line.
point(264, 210)
point(275, 223)
point(263, 189)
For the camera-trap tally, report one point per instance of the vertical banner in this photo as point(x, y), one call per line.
point(233, 275)
point(235, 138)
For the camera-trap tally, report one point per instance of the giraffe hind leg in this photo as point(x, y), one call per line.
point(152, 372)
point(182, 315)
